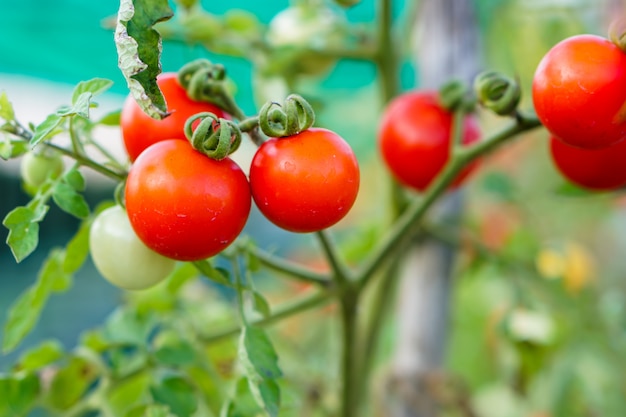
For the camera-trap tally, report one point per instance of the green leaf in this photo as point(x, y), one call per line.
point(11, 147)
point(152, 410)
point(45, 129)
point(567, 189)
point(267, 394)
point(25, 311)
point(138, 48)
point(71, 382)
point(36, 358)
point(260, 304)
point(175, 353)
point(242, 402)
point(6, 108)
point(18, 394)
point(77, 250)
point(23, 226)
point(500, 185)
point(257, 354)
point(110, 119)
point(218, 275)
point(94, 86)
point(177, 393)
point(125, 326)
point(74, 179)
point(70, 201)
point(184, 273)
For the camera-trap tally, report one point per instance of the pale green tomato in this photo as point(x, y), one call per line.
point(121, 257)
point(37, 168)
point(307, 29)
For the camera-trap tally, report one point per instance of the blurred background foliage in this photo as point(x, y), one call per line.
point(539, 313)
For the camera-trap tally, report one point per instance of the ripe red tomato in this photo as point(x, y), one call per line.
point(595, 169)
point(306, 182)
point(140, 130)
point(183, 204)
point(414, 138)
point(579, 91)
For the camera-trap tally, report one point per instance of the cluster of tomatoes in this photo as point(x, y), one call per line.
point(579, 94)
point(181, 204)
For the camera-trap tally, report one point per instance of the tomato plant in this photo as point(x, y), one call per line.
point(184, 205)
point(414, 139)
point(579, 91)
point(596, 169)
point(305, 182)
point(121, 257)
point(140, 130)
point(36, 168)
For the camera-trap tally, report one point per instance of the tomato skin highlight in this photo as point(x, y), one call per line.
point(601, 169)
point(414, 139)
point(306, 182)
point(579, 91)
point(119, 255)
point(140, 130)
point(183, 204)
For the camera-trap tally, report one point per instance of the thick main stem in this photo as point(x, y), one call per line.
point(350, 389)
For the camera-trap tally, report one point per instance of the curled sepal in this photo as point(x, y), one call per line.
point(453, 94)
point(497, 92)
point(203, 80)
point(290, 118)
point(617, 33)
point(215, 137)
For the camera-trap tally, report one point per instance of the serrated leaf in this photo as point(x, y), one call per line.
point(260, 304)
point(25, 311)
point(36, 358)
point(6, 108)
point(177, 393)
point(71, 382)
point(23, 226)
point(94, 86)
point(77, 250)
point(11, 147)
point(257, 354)
point(139, 47)
point(110, 119)
point(266, 392)
point(45, 128)
point(70, 201)
point(18, 394)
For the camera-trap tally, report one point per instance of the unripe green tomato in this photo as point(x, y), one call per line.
point(121, 257)
point(37, 168)
point(308, 29)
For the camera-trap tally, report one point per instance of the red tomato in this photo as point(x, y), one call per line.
point(579, 92)
point(183, 204)
point(595, 169)
point(140, 130)
point(414, 138)
point(306, 182)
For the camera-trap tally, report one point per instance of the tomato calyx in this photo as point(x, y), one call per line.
point(215, 137)
point(498, 93)
point(617, 33)
point(455, 94)
point(292, 117)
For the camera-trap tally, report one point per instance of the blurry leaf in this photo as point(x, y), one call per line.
point(6, 108)
point(257, 353)
point(126, 395)
point(111, 119)
point(125, 361)
point(18, 394)
point(184, 273)
point(242, 403)
point(45, 128)
point(125, 326)
point(23, 226)
point(74, 179)
point(71, 382)
point(260, 304)
point(10, 147)
point(152, 410)
point(77, 250)
point(500, 185)
point(567, 189)
point(174, 351)
point(94, 340)
point(70, 201)
point(177, 393)
point(138, 48)
point(267, 394)
point(25, 311)
point(94, 86)
point(40, 356)
point(218, 275)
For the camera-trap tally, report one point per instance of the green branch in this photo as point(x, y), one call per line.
point(289, 268)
